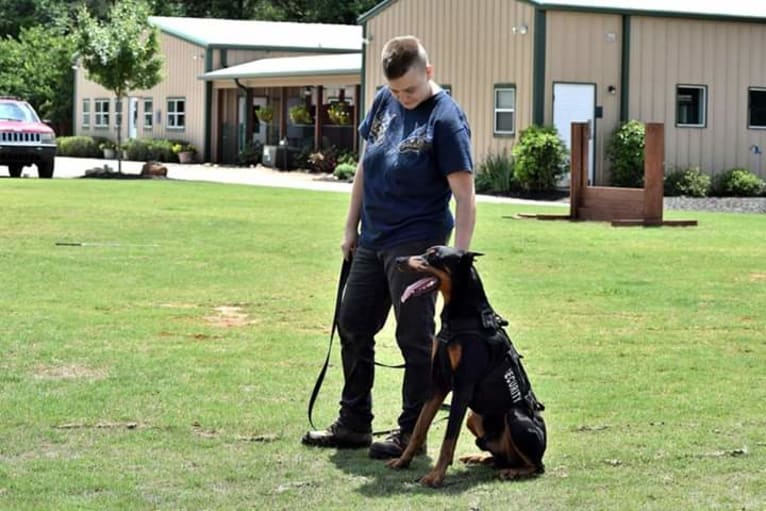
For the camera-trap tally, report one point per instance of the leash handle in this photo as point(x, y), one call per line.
point(345, 269)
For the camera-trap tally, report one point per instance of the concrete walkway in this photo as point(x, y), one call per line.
point(68, 168)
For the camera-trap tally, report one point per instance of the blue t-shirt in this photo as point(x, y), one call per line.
point(408, 155)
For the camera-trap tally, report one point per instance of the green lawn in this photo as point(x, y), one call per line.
point(167, 363)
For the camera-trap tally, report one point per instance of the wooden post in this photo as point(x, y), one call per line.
point(355, 117)
point(282, 113)
point(318, 117)
point(579, 167)
point(654, 155)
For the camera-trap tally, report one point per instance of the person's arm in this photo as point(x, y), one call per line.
point(351, 231)
point(461, 184)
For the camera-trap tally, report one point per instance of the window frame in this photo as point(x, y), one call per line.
point(102, 114)
point(173, 113)
point(149, 115)
point(703, 105)
point(496, 89)
point(86, 113)
point(750, 125)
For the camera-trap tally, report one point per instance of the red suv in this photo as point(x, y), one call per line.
point(25, 139)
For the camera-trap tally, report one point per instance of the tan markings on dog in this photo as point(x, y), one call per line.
point(445, 283)
point(228, 316)
point(455, 352)
point(69, 372)
point(434, 348)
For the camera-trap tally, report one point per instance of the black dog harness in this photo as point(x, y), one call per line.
point(505, 369)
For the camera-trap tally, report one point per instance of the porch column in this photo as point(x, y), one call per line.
point(319, 91)
point(355, 117)
point(282, 113)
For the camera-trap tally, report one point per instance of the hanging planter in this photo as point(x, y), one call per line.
point(299, 114)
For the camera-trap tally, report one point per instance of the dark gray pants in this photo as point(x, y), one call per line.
point(373, 285)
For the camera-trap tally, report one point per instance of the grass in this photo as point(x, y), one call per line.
point(167, 365)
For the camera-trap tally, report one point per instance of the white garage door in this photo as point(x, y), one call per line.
point(575, 102)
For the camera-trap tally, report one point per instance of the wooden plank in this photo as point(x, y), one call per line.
point(649, 223)
point(654, 155)
point(578, 166)
point(597, 193)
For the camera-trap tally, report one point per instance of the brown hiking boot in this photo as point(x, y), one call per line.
point(393, 446)
point(337, 436)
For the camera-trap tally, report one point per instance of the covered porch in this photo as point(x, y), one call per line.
point(285, 108)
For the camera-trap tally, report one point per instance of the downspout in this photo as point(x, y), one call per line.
point(625, 70)
point(538, 69)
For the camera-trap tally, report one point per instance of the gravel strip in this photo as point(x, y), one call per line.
point(718, 204)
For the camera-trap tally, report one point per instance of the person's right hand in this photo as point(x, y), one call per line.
point(350, 239)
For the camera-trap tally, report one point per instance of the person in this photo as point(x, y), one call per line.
point(416, 156)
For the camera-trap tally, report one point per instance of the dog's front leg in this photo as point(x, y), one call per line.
point(457, 413)
point(427, 414)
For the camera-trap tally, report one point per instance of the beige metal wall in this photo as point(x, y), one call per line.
point(586, 48)
point(728, 58)
point(472, 47)
point(184, 62)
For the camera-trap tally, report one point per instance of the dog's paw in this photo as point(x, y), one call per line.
point(478, 459)
point(433, 479)
point(513, 474)
point(398, 463)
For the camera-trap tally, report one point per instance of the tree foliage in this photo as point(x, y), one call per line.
point(37, 68)
point(121, 53)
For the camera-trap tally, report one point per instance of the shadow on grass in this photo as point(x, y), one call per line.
point(379, 480)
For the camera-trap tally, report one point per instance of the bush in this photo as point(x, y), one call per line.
point(737, 183)
point(344, 171)
point(495, 174)
point(251, 154)
point(689, 182)
point(151, 149)
point(79, 147)
point(322, 161)
point(625, 151)
point(540, 159)
point(347, 156)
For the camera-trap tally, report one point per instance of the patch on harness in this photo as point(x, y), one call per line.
point(513, 385)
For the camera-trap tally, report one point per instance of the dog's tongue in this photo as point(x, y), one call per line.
point(419, 287)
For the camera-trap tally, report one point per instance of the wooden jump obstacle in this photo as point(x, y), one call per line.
point(623, 207)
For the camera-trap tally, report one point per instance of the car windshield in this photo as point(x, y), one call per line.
point(17, 112)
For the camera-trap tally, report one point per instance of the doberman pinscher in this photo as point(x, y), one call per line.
point(473, 357)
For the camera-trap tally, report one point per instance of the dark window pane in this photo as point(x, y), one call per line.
point(691, 104)
point(757, 102)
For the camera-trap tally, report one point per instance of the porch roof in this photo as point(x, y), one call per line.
point(270, 35)
point(303, 70)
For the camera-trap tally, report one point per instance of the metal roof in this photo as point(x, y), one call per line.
point(310, 65)
point(213, 32)
point(755, 9)
point(692, 8)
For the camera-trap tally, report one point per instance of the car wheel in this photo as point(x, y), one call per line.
point(45, 169)
point(15, 170)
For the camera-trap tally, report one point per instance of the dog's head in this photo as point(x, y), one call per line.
point(441, 264)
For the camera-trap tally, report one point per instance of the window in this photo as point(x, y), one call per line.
point(176, 113)
point(101, 107)
point(118, 112)
point(756, 108)
point(148, 116)
point(85, 113)
point(505, 110)
point(691, 106)
point(447, 89)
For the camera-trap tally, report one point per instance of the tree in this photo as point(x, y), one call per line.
point(46, 80)
point(120, 54)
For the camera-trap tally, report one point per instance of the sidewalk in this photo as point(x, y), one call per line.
point(69, 168)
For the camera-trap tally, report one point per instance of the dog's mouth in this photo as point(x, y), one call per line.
point(420, 287)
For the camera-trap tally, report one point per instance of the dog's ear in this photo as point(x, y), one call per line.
point(474, 255)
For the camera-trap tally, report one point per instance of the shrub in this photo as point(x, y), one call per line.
point(540, 158)
point(344, 171)
point(737, 183)
point(689, 182)
point(146, 149)
point(495, 174)
point(347, 156)
point(251, 154)
point(79, 147)
point(322, 161)
point(625, 151)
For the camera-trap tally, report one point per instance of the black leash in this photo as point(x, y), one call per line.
point(345, 269)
